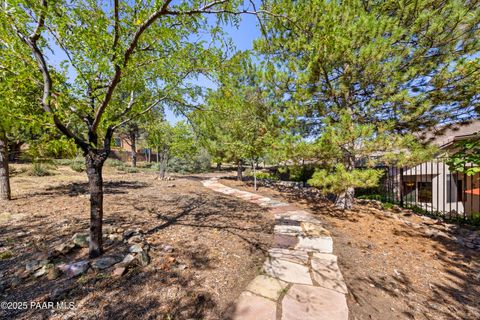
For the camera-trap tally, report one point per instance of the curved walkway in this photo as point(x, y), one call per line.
point(301, 279)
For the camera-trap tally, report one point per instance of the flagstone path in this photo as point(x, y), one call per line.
point(301, 279)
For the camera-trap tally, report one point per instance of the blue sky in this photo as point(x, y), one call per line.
point(243, 37)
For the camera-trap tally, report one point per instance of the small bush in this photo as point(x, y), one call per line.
point(264, 175)
point(114, 163)
point(39, 170)
point(63, 162)
point(78, 166)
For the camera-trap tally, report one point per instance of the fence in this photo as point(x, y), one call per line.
point(432, 188)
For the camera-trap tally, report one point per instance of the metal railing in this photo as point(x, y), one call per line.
point(431, 188)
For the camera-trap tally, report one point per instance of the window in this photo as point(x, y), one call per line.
point(424, 191)
point(454, 188)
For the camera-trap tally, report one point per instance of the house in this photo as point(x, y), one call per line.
point(431, 185)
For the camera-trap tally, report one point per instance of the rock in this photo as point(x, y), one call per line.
point(129, 233)
point(143, 258)
point(167, 248)
point(127, 261)
point(81, 240)
point(104, 262)
point(170, 185)
point(251, 306)
point(40, 272)
point(53, 274)
point(34, 265)
point(136, 248)
point(115, 237)
point(135, 239)
point(396, 208)
point(74, 269)
point(119, 271)
point(64, 248)
point(181, 267)
point(119, 230)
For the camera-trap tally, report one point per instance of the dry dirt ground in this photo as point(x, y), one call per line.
point(218, 245)
point(392, 270)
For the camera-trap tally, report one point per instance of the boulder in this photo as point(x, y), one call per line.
point(136, 248)
point(127, 261)
point(74, 269)
point(81, 240)
point(104, 262)
point(64, 248)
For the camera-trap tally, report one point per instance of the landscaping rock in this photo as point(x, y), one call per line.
point(115, 237)
point(74, 269)
point(53, 274)
point(167, 248)
point(135, 239)
point(119, 271)
point(129, 258)
point(104, 262)
point(64, 248)
point(136, 248)
point(143, 258)
point(81, 240)
point(40, 272)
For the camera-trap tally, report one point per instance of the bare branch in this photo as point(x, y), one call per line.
point(150, 107)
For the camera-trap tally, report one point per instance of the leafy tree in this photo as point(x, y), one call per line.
point(106, 45)
point(370, 73)
point(238, 123)
point(466, 158)
point(19, 107)
point(169, 142)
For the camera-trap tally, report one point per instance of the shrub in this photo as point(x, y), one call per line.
point(114, 163)
point(78, 166)
point(264, 175)
point(39, 170)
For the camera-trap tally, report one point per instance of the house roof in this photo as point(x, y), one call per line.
point(445, 136)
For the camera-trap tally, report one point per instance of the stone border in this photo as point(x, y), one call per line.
point(301, 278)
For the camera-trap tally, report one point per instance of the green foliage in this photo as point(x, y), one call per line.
point(239, 121)
point(467, 158)
point(4, 255)
point(78, 166)
point(39, 170)
point(265, 175)
point(355, 80)
point(114, 163)
point(340, 179)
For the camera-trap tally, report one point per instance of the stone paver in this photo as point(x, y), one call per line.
point(287, 271)
point(301, 257)
point(320, 244)
point(267, 287)
point(296, 256)
point(314, 303)
point(250, 306)
point(288, 230)
point(327, 274)
point(284, 241)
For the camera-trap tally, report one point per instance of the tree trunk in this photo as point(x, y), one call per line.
point(345, 200)
point(239, 170)
point(133, 141)
point(5, 193)
point(219, 166)
point(255, 176)
point(94, 165)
